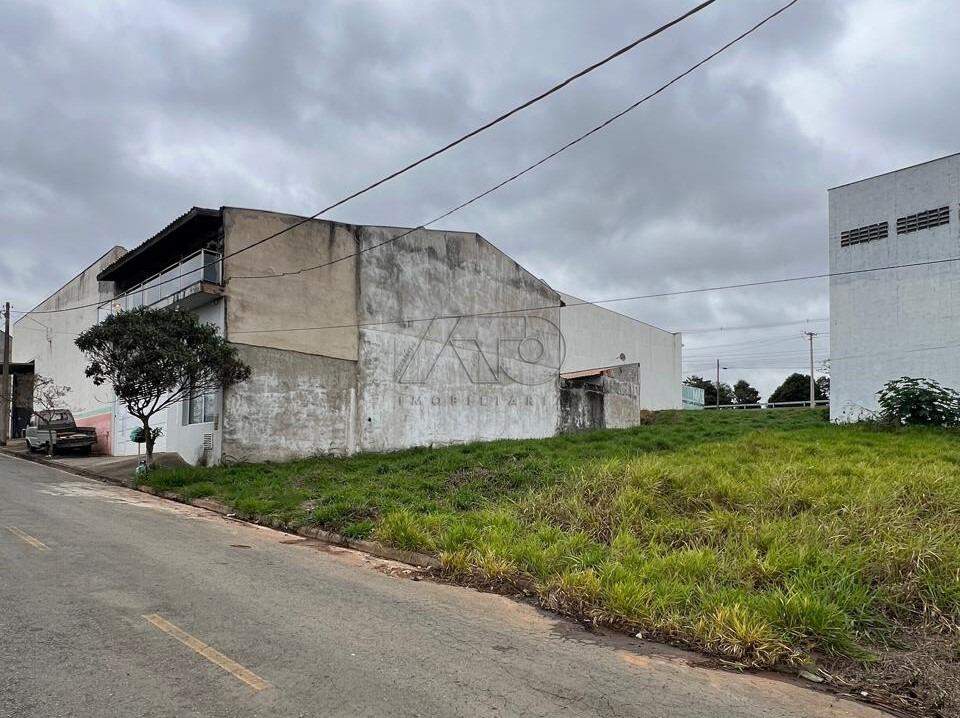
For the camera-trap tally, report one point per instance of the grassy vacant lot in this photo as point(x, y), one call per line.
point(761, 536)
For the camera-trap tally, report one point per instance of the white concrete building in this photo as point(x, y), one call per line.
point(46, 337)
point(434, 338)
point(896, 322)
point(598, 337)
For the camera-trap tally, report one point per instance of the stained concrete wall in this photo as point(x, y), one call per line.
point(595, 337)
point(610, 400)
point(453, 341)
point(294, 405)
point(22, 410)
point(439, 377)
point(892, 323)
point(48, 341)
point(621, 397)
point(581, 404)
point(318, 298)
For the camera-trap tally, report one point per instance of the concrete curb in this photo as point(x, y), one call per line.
point(374, 548)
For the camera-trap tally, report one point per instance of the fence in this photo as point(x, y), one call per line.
point(770, 405)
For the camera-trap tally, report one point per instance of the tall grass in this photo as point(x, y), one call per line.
point(760, 536)
point(763, 549)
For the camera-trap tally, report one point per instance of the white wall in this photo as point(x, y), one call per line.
point(47, 339)
point(595, 337)
point(178, 436)
point(885, 324)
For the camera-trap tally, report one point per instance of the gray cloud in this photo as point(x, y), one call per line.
point(117, 117)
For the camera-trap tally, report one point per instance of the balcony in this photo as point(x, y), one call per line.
point(190, 283)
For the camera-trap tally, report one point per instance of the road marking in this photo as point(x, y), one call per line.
point(27, 538)
point(208, 652)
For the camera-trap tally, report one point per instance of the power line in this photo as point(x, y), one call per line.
point(936, 347)
point(724, 356)
point(657, 295)
point(704, 367)
point(872, 355)
point(952, 344)
point(472, 133)
point(757, 367)
point(753, 350)
point(768, 340)
point(785, 356)
point(739, 327)
point(485, 126)
point(492, 189)
point(530, 167)
point(790, 354)
point(49, 331)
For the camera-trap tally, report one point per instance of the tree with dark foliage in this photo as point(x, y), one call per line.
point(743, 393)
point(823, 386)
point(154, 358)
point(796, 387)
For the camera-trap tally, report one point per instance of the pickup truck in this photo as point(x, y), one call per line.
point(58, 427)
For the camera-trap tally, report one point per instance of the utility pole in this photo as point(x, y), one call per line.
point(6, 394)
point(718, 383)
point(813, 384)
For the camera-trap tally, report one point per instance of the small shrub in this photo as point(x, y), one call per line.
point(918, 402)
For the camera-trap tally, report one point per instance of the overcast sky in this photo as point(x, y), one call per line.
point(117, 117)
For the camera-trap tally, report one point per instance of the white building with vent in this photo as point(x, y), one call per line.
point(905, 321)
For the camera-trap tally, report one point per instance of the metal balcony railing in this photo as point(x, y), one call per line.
point(165, 287)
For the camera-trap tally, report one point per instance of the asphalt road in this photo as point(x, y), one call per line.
point(115, 603)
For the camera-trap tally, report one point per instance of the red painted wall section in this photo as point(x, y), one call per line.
point(102, 423)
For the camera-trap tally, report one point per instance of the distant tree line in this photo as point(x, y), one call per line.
point(795, 387)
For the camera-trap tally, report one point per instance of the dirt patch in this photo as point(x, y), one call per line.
point(396, 570)
point(920, 677)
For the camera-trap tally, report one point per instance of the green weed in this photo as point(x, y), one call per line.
point(760, 536)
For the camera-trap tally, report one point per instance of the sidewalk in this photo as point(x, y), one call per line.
point(117, 469)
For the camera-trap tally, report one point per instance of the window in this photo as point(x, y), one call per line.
point(923, 220)
point(200, 409)
point(864, 234)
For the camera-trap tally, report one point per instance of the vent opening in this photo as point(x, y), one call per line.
point(880, 230)
point(923, 220)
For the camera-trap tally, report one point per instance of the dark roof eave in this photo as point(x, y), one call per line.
point(111, 272)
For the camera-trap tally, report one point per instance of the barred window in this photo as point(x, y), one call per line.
point(864, 234)
point(923, 220)
point(199, 408)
